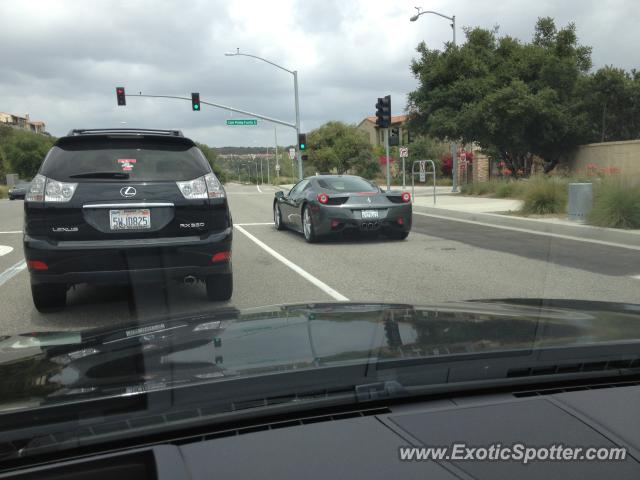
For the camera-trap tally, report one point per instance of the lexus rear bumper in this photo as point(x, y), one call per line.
point(127, 261)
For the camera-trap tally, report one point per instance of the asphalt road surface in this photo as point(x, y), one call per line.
point(441, 260)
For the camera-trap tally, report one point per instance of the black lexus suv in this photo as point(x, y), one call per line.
point(123, 206)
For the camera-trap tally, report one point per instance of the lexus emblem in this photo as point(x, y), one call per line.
point(369, 199)
point(128, 192)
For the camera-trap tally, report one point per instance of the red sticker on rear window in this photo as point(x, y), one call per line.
point(127, 163)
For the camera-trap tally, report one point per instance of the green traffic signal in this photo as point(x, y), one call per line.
point(195, 101)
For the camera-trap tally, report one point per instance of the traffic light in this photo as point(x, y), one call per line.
point(394, 137)
point(195, 102)
point(383, 112)
point(302, 141)
point(122, 101)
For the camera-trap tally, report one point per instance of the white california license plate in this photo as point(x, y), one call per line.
point(130, 219)
point(369, 214)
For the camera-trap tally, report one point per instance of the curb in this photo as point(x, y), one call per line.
point(614, 235)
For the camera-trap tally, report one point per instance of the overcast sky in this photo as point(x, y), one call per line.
point(60, 61)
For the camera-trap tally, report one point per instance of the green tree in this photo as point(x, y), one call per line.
point(340, 146)
point(212, 157)
point(611, 100)
point(24, 151)
point(515, 99)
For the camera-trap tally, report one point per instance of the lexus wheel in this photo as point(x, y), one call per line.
point(49, 297)
point(219, 286)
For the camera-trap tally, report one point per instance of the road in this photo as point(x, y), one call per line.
point(441, 260)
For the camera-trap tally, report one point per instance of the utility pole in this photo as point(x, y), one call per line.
point(275, 157)
point(261, 174)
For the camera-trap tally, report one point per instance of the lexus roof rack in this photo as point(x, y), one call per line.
point(126, 131)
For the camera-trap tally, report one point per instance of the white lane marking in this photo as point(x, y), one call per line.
point(258, 187)
point(12, 271)
point(4, 249)
point(637, 277)
point(13, 231)
point(252, 224)
point(303, 273)
point(255, 194)
point(534, 232)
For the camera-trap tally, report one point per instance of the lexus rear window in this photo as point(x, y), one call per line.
point(346, 184)
point(146, 163)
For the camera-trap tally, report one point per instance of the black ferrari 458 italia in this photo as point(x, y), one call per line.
point(322, 205)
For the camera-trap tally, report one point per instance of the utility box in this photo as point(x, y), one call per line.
point(580, 201)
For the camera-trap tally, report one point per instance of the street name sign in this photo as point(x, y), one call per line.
point(242, 121)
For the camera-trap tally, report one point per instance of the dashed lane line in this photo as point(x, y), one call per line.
point(300, 271)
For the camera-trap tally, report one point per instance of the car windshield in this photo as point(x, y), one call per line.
point(251, 209)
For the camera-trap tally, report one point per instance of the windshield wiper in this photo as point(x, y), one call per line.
point(117, 175)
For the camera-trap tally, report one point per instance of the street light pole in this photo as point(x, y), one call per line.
point(296, 98)
point(299, 153)
point(454, 146)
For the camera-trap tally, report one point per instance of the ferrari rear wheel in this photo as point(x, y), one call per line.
point(307, 225)
point(277, 217)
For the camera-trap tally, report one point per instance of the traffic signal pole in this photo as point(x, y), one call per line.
point(386, 138)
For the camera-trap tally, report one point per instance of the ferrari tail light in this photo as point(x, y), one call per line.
point(406, 197)
point(323, 198)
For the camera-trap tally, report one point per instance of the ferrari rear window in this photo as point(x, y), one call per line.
point(346, 184)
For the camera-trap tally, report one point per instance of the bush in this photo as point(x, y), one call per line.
point(616, 204)
point(544, 195)
point(509, 189)
point(479, 188)
point(3, 191)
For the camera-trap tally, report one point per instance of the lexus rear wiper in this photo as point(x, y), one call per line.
point(117, 175)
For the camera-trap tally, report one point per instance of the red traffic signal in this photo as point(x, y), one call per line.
point(122, 101)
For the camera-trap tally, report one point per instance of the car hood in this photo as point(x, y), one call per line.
point(44, 367)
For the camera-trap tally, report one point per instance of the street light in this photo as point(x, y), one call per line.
point(454, 147)
point(295, 91)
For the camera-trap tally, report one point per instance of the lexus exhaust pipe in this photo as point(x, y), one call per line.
point(190, 280)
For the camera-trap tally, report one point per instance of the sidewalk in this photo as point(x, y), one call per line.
point(463, 203)
point(485, 211)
